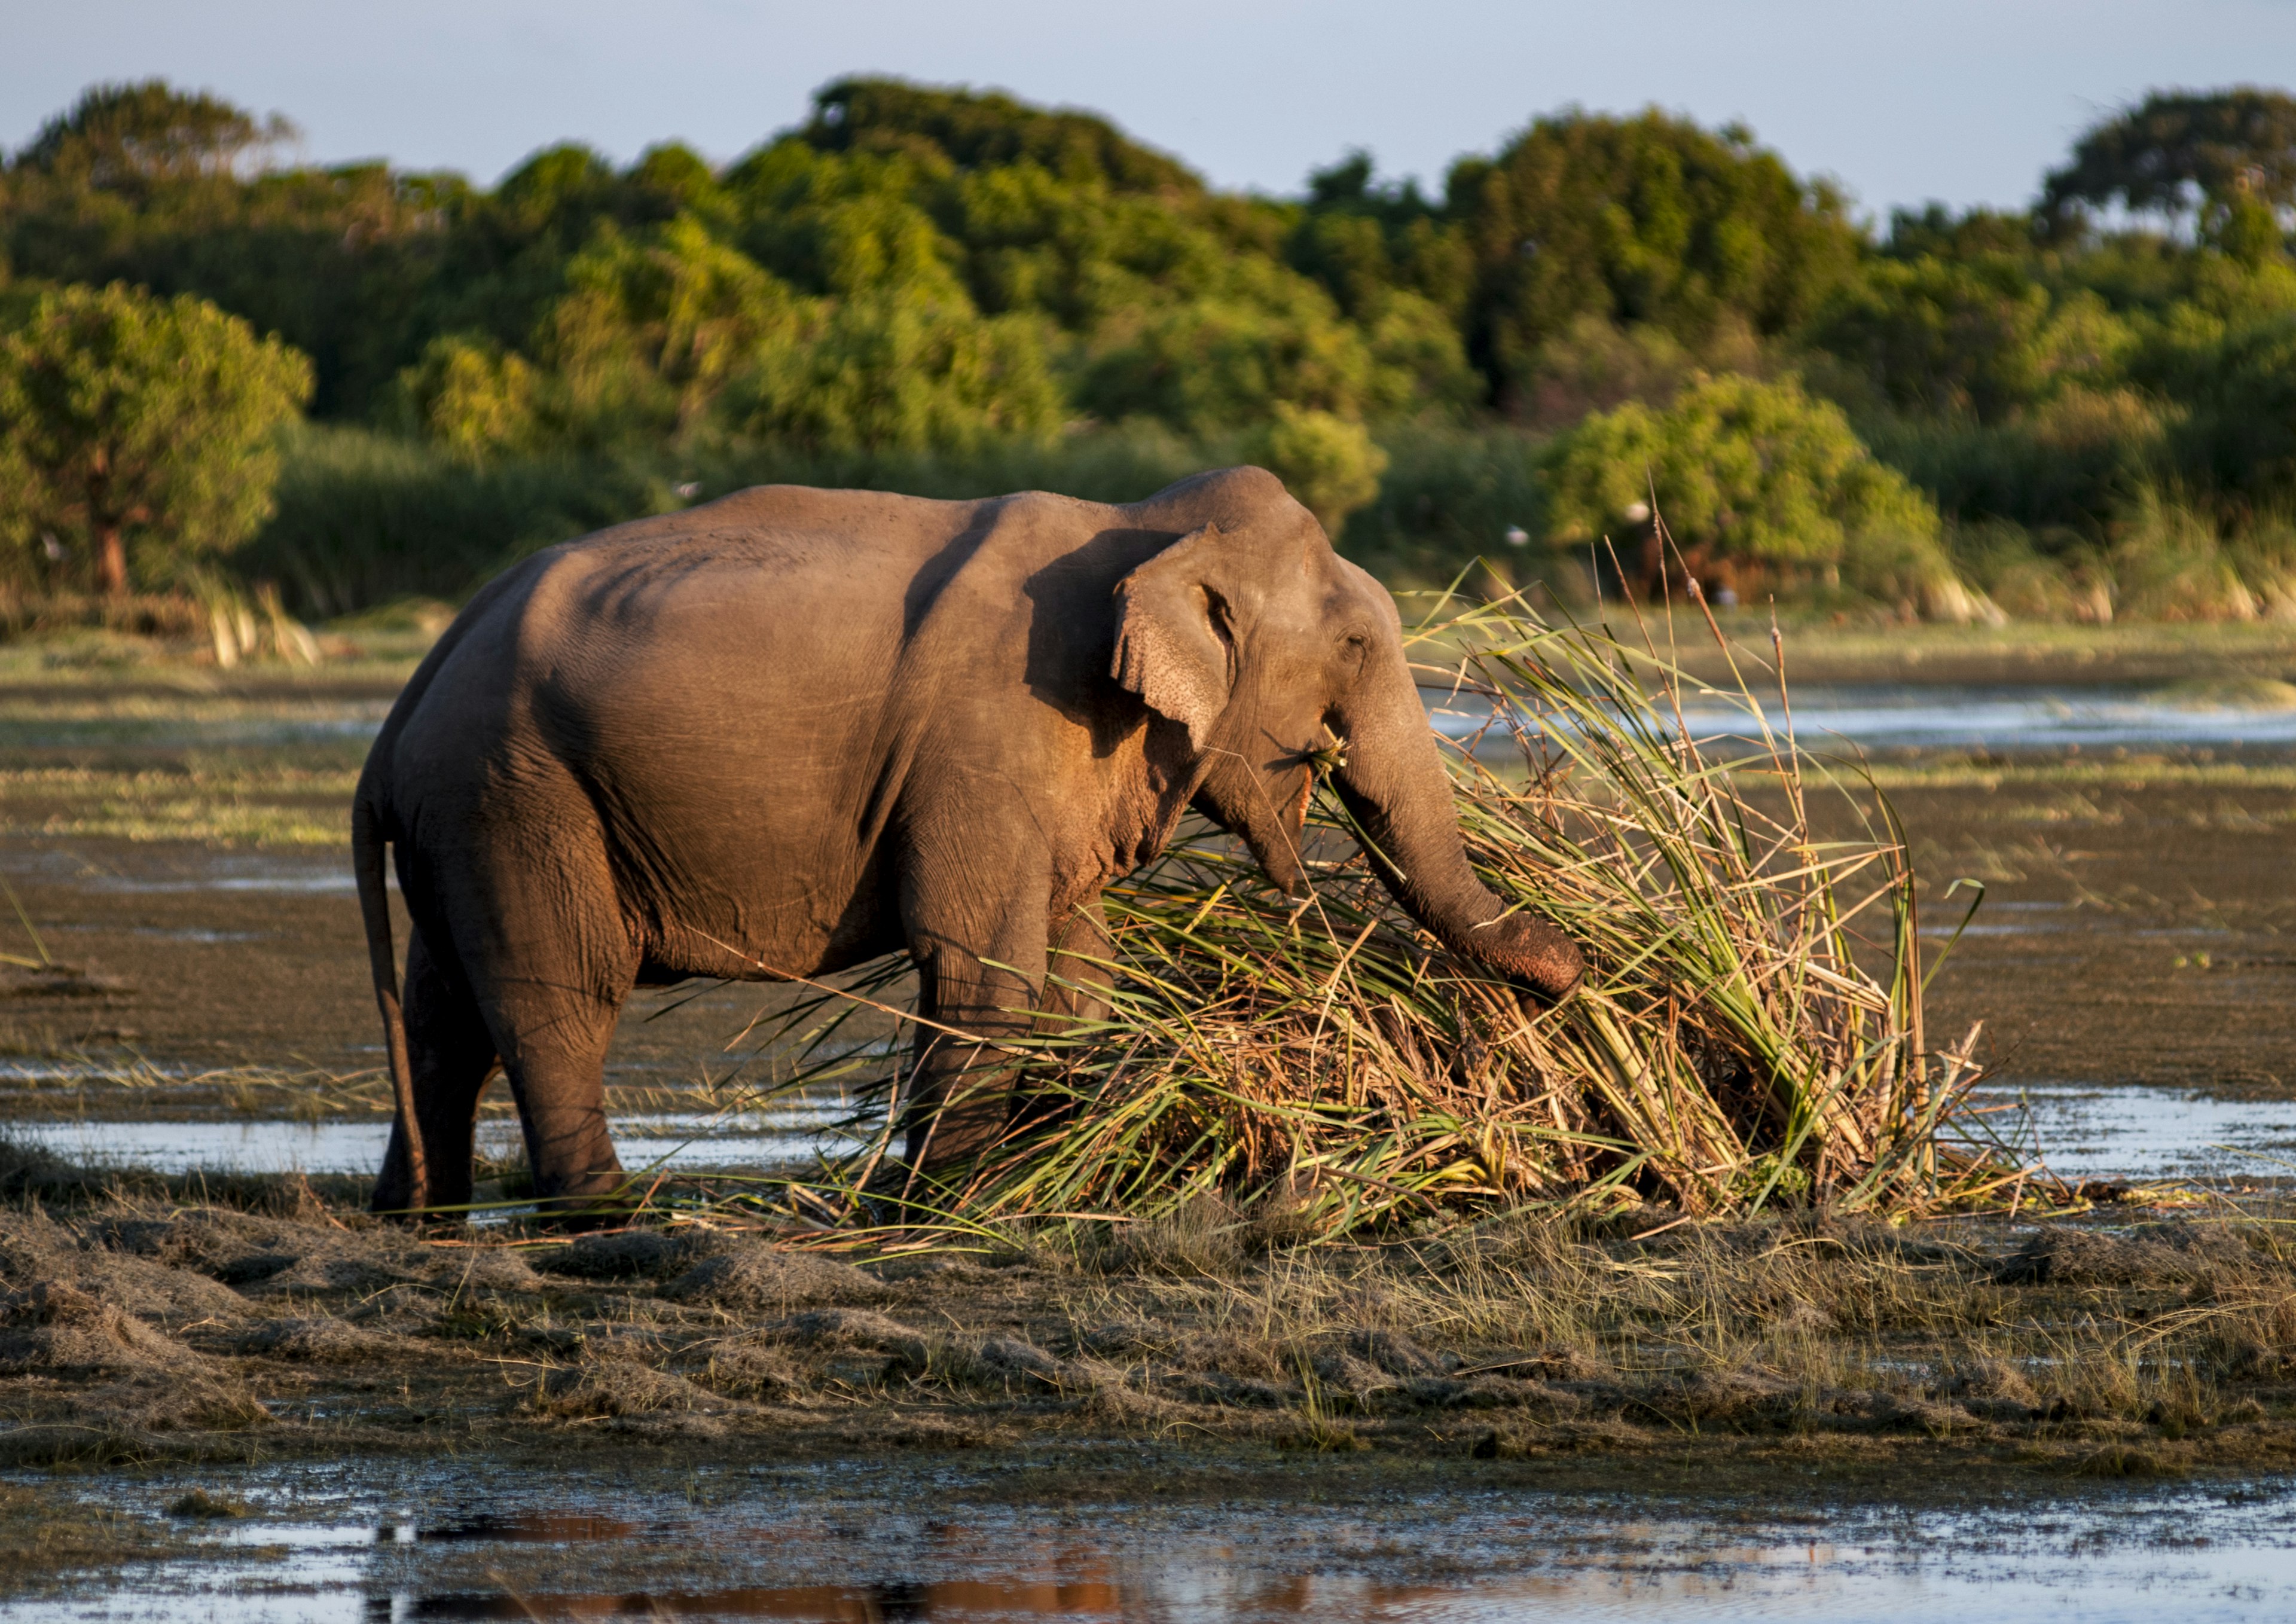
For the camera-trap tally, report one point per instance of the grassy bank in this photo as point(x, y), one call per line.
point(280, 1323)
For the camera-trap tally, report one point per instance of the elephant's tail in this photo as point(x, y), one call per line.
point(368, 842)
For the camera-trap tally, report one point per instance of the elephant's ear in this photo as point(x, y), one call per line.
point(1175, 645)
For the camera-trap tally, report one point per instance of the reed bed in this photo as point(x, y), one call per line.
point(1749, 1032)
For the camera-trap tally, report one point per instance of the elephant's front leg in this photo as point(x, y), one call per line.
point(1078, 963)
point(981, 967)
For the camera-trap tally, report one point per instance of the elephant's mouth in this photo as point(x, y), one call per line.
point(1312, 763)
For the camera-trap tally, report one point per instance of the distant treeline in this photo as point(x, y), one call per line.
point(2087, 404)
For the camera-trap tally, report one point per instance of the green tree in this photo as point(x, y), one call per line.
point(2236, 384)
point(654, 325)
point(2180, 153)
point(972, 130)
point(1648, 220)
point(1365, 239)
point(128, 417)
point(472, 397)
point(1747, 471)
point(1977, 336)
point(902, 375)
point(119, 135)
point(181, 193)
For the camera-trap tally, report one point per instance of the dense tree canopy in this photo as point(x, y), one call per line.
point(965, 131)
point(2179, 152)
point(1160, 296)
point(119, 135)
point(1648, 221)
point(922, 272)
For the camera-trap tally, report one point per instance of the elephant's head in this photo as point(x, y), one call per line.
point(1252, 633)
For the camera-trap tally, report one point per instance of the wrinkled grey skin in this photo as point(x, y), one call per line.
point(795, 729)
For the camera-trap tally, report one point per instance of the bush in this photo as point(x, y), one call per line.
point(1750, 475)
point(1329, 464)
point(2168, 564)
point(365, 518)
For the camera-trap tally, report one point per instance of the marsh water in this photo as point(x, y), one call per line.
point(885, 1541)
point(1986, 716)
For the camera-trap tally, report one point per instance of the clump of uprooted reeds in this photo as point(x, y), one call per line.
point(1749, 1032)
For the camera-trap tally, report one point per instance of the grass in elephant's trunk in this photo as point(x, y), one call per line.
point(1749, 1032)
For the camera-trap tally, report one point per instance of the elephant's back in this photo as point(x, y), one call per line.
point(670, 663)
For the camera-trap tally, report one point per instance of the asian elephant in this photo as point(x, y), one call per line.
point(790, 730)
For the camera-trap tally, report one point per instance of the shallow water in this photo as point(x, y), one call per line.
point(78, 722)
point(1878, 714)
point(1891, 717)
point(2136, 1134)
point(864, 1542)
point(2129, 1134)
point(741, 1140)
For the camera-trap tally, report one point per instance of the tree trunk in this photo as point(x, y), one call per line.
point(1395, 785)
point(112, 560)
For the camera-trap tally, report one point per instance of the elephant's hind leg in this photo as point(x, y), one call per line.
point(557, 1072)
point(452, 1055)
point(539, 930)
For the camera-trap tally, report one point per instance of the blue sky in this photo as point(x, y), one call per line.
point(1967, 101)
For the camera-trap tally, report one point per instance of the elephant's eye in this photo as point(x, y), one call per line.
point(1353, 647)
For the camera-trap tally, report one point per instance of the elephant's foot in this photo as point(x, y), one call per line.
point(395, 1195)
point(604, 1199)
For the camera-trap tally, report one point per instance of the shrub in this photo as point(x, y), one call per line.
point(1328, 463)
point(1747, 473)
point(365, 518)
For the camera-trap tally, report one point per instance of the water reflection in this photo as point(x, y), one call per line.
point(2132, 1133)
point(782, 1544)
point(2122, 1132)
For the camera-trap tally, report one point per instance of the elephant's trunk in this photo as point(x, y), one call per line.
point(1395, 787)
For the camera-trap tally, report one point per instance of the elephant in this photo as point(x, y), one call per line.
point(786, 732)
